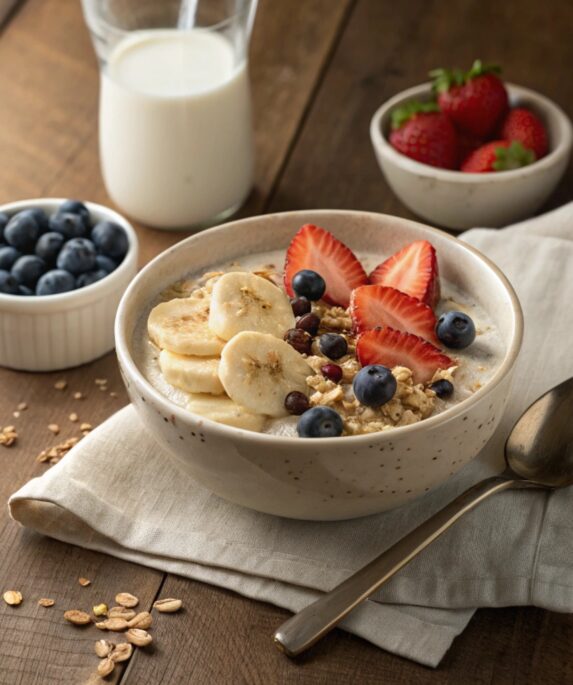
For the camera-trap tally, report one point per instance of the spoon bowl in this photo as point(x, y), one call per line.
point(540, 445)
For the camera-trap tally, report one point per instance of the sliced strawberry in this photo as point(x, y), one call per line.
point(317, 249)
point(373, 306)
point(412, 270)
point(393, 348)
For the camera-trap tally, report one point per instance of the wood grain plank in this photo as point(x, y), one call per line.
point(387, 48)
point(48, 144)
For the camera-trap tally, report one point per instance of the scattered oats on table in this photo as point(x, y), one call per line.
point(22, 406)
point(12, 597)
point(61, 385)
point(84, 582)
point(79, 396)
point(46, 602)
point(54, 428)
point(8, 436)
point(73, 417)
point(54, 454)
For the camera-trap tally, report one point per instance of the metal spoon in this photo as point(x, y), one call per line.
point(538, 453)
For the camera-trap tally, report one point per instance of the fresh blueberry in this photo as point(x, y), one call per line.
point(456, 330)
point(76, 207)
point(296, 403)
point(24, 290)
point(300, 306)
point(374, 385)
point(77, 256)
point(69, 225)
point(309, 284)
point(22, 232)
point(4, 219)
point(8, 284)
point(105, 263)
point(40, 216)
point(309, 323)
point(442, 388)
point(90, 277)
point(49, 245)
point(110, 239)
point(54, 282)
point(320, 422)
point(333, 345)
point(28, 269)
point(8, 255)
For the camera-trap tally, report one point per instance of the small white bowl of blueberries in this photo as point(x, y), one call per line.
point(64, 265)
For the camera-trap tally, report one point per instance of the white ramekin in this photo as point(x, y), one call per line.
point(461, 200)
point(60, 331)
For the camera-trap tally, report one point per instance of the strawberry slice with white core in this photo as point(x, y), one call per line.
point(316, 249)
point(374, 306)
point(412, 270)
point(393, 348)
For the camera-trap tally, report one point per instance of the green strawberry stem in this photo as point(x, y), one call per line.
point(512, 157)
point(444, 79)
point(406, 111)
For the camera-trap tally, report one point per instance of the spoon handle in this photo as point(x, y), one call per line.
point(310, 624)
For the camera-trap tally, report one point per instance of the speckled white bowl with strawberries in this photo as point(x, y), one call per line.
point(321, 478)
point(460, 200)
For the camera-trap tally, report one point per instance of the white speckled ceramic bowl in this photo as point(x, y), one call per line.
point(331, 478)
point(61, 331)
point(459, 200)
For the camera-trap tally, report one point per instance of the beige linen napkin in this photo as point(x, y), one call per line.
point(124, 496)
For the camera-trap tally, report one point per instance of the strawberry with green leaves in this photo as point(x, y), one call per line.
point(524, 126)
point(498, 155)
point(475, 101)
point(420, 131)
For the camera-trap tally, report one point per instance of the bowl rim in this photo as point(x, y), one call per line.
point(242, 435)
point(27, 303)
point(561, 149)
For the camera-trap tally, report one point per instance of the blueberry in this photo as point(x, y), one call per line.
point(374, 385)
point(299, 339)
point(309, 284)
point(296, 403)
point(49, 245)
point(105, 263)
point(24, 290)
point(69, 225)
point(90, 277)
point(77, 256)
point(442, 388)
point(54, 282)
point(8, 284)
point(456, 330)
point(76, 207)
point(4, 219)
point(110, 239)
point(333, 345)
point(41, 218)
point(300, 306)
point(22, 231)
point(28, 269)
point(309, 323)
point(8, 255)
point(332, 372)
point(320, 422)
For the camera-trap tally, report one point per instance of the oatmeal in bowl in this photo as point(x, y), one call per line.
point(319, 364)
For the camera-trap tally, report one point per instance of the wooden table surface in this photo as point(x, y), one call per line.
point(319, 70)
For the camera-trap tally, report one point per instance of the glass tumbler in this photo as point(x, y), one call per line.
point(175, 130)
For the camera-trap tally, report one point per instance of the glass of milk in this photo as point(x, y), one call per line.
point(175, 130)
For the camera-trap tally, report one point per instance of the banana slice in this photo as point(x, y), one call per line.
point(258, 371)
point(181, 326)
point(192, 374)
point(224, 410)
point(241, 301)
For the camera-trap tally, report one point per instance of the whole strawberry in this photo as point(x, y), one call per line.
point(422, 132)
point(499, 155)
point(475, 101)
point(522, 125)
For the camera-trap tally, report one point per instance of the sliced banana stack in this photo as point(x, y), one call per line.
point(258, 371)
point(191, 374)
point(241, 301)
point(224, 410)
point(181, 326)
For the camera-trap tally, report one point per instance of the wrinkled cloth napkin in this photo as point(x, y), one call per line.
point(116, 492)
